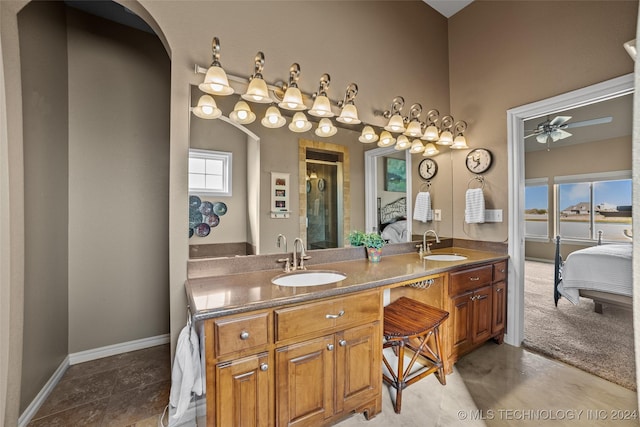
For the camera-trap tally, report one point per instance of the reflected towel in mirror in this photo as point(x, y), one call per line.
point(422, 211)
point(474, 207)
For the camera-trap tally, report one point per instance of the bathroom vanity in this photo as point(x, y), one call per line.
point(312, 355)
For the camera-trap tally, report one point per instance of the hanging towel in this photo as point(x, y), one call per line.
point(474, 211)
point(422, 211)
point(186, 375)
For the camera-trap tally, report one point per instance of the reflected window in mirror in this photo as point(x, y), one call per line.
point(210, 172)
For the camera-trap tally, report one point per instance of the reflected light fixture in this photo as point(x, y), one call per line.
point(242, 113)
point(396, 122)
point(292, 99)
point(321, 105)
point(402, 143)
point(414, 129)
point(460, 142)
point(446, 137)
point(432, 133)
point(416, 146)
point(368, 135)
point(207, 108)
point(299, 123)
point(257, 90)
point(215, 81)
point(349, 113)
point(430, 150)
point(326, 128)
point(386, 139)
point(272, 118)
point(313, 175)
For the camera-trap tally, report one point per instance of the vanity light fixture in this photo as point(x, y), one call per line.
point(257, 90)
point(402, 143)
point(207, 108)
point(414, 129)
point(430, 150)
point(321, 105)
point(272, 118)
point(349, 113)
point(292, 99)
point(326, 128)
point(368, 135)
point(446, 137)
point(416, 146)
point(432, 133)
point(215, 81)
point(460, 142)
point(242, 113)
point(386, 139)
point(396, 122)
point(299, 123)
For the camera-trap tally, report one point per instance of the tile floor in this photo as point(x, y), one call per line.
point(497, 385)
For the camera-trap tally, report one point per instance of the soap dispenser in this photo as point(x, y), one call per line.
point(420, 251)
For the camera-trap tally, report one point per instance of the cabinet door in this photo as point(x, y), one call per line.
point(304, 394)
point(499, 310)
point(461, 320)
point(481, 329)
point(244, 392)
point(358, 366)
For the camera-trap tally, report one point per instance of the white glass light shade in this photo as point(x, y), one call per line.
point(299, 123)
point(368, 135)
point(216, 82)
point(321, 107)
point(416, 146)
point(431, 133)
point(386, 139)
point(257, 91)
point(396, 124)
point(207, 108)
point(414, 129)
point(459, 143)
point(242, 113)
point(430, 150)
point(349, 115)
point(326, 128)
point(446, 138)
point(292, 100)
point(402, 143)
point(542, 138)
point(272, 118)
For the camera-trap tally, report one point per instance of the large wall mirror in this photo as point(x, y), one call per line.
point(325, 192)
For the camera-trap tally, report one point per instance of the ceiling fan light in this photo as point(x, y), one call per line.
point(542, 138)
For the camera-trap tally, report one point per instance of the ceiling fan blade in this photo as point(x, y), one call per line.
point(559, 120)
point(533, 134)
point(599, 121)
point(559, 134)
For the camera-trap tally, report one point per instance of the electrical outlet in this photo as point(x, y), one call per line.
point(493, 215)
point(437, 215)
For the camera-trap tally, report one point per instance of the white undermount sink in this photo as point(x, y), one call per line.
point(308, 278)
point(445, 257)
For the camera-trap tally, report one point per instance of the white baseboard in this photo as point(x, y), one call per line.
point(85, 356)
point(112, 350)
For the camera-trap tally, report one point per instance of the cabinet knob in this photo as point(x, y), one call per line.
point(473, 298)
point(330, 347)
point(474, 279)
point(499, 290)
point(502, 270)
point(335, 316)
point(264, 366)
point(244, 335)
point(342, 343)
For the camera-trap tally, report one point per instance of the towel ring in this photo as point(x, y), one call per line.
point(478, 178)
point(427, 184)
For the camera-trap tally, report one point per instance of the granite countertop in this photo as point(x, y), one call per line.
point(221, 295)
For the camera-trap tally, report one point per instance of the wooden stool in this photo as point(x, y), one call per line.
point(410, 323)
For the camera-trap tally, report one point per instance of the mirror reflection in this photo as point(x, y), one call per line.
point(323, 197)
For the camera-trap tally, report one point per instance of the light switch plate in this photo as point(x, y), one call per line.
point(493, 215)
point(437, 215)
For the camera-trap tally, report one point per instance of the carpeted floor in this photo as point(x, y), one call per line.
point(601, 344)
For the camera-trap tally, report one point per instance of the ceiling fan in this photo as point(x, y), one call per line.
point(554, 129)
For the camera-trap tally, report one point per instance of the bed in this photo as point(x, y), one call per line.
point(392, 220)
point(601, 273)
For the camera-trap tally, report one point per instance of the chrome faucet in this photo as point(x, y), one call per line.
point(282, 238)
point(426, 247)
point(303, 255)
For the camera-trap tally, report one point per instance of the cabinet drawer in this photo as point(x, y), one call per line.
point(240, 333)
point(321, 316)
point(499, 271)
point(472, 278)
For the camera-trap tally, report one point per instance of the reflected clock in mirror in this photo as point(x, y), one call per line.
point(427, 169)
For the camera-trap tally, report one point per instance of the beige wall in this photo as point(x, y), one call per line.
point(46, 153)
point(504, 54)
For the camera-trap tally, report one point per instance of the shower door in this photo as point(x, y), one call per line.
point(324, 204)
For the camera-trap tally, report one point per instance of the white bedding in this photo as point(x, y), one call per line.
point(605, 268)
point(395, 232)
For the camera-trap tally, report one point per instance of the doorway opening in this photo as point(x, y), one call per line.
point(325, 210)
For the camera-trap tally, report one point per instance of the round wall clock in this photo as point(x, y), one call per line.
point(427, 168)
point(479, 160)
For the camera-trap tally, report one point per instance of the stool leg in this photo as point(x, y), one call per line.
point(440, 375)
point(400, 381)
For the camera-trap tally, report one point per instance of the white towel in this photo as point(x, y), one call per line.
point(422, 211)
point(185, 376)
point(474, 211)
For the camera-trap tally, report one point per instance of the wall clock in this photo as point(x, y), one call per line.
point(427, 168)
point(321, 184)
point(479, 160)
